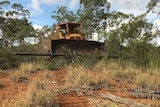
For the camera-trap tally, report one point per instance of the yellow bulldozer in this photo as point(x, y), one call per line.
point(69, 36)
point(69, 31)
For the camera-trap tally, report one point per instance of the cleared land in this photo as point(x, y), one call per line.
point(77, 87)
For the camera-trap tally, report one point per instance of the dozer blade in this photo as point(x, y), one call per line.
point(77, 46)
point(37, 54)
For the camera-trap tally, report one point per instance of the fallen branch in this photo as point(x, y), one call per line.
point(145, 94)
point(122, 100)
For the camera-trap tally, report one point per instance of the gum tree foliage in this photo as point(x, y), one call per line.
point(113, 33)
point(153, 6)
point(62, 14)
point(15, 26)
point(92, 15)
point(135, 37)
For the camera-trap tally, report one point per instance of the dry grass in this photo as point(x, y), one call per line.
point(145, 80)
point(42, 99)
point(80, 77)
point(19, 76)
point(24, 70)
point(148, 79)
point(40, 91)
point(35, 98)
point(102, 103)
point(31, 67)
point(16, 103)
point(44, 92)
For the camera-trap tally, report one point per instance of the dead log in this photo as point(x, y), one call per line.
point(122, 100)
point(139, 93)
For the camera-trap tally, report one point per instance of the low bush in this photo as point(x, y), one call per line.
point(57, 63)
point(7, 59)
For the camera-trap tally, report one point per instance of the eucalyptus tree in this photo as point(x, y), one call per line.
point(93, 15)
point(15, 26)
point(112, 34)
point(153, 6)
point(136, 37)
point(62, 14)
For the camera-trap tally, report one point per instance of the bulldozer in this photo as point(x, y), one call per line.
point(69, 36)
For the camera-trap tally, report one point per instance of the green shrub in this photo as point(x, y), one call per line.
point(7, 59)
point(57, 63)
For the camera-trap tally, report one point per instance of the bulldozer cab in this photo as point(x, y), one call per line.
point(68, 30)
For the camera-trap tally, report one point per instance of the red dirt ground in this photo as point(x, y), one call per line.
point(10, 90)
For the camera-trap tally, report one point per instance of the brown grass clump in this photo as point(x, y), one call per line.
point(40, 93)
point(43, 94)
point(16, 103)
point(146, 80)
point(19, 76)
point(42, 99)
point(31, 67)
point(80, 77)
point(22, 73)
point(125, 75)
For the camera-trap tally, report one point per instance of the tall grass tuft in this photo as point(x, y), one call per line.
point(42, 99)
point(125, 75)
point(31, 67)
point(146, 80)
point(19, 76)
point(80, 77)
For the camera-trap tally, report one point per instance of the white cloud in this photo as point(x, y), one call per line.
point(157, 23)
point(132, 11)
point(37, 26)
point(156, 26)
point(73, 3)
point(135, 7)
point(50, 2)
point(129, 4)
point(35, 7)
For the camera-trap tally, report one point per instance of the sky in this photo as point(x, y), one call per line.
point(41, 10)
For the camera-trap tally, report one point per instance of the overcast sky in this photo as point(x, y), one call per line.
point(41, 10)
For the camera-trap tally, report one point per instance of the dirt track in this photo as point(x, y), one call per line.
point(10, 91)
